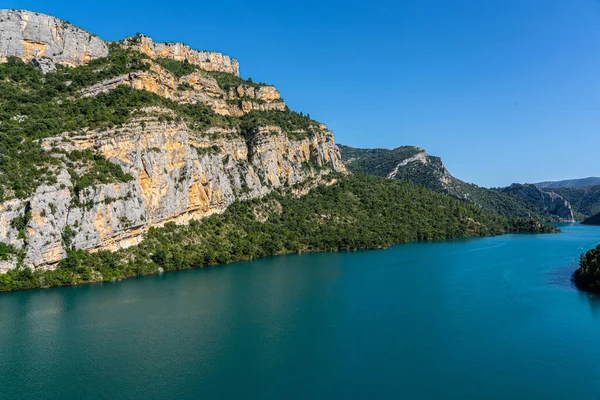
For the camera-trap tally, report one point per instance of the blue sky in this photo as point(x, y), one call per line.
point(504, 91)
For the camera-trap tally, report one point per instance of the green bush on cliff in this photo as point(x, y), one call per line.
point(177, 68)
point(228, 81)
point(99, 170)
point(118, 62)
point(295, 125)
point(7, 251)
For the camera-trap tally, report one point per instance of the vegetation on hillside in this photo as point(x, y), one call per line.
point(433, 175)
point(96, 170)
point(584, 200)
point(34, 106)
point(357, 212)
point(177, 68)
point(593, 220)
point(229, 81)
point(379, 162)
point(503, 201)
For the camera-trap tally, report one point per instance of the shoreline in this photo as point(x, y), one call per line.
point(101, 280)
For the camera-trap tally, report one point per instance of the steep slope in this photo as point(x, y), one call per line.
point(569, 183)
point(405, 163)
point(585, 200)
point(109, 143)
point(30, 35)
point(414, 164)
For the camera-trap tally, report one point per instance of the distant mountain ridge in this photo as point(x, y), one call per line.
point(414, 164)
point(569, 183)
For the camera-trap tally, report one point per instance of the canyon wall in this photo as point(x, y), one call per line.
point(178, 174)
point(175, 172)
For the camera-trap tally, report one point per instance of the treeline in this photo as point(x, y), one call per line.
point(357, 212)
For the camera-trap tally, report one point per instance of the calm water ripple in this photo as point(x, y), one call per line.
point(487, 318)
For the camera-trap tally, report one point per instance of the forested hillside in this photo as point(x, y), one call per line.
point(414, 164)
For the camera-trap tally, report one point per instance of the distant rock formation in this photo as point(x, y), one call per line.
point(569, 183)
point(414, 164)
point(547, 202)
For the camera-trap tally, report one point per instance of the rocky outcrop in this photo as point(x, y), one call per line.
point(547, 202)
point(423, 161)
point(193, 88)
point(30, 35)
point(179, 175)
point(206, 60)
point(403, 163)
point(45, 65)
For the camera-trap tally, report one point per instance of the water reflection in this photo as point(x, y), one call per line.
point(593, 300)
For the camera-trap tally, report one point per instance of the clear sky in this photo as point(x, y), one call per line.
point(504, 91)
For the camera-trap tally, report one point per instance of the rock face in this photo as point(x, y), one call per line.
point(179, 175)
point(193, 88)
point(174, 172)
point(44, 64)
point(404, 163)
point(206, 60)
point(549, 202)
point(30, 35)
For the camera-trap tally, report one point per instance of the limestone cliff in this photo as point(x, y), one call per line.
point(180, 174)
point(207, 60)
point(173, 169)
point(30, 35)
point(193, 88)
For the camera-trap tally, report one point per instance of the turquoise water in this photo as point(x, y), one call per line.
point(489, 318)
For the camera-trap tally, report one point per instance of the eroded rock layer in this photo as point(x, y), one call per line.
point(168, 170)
point(206, 60)
point(30, 35)
point(196, 87)
point(179, 174)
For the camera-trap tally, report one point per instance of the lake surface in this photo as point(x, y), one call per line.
point(486, 318)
